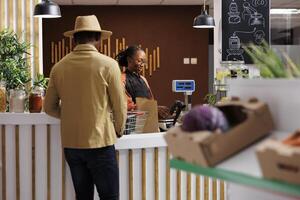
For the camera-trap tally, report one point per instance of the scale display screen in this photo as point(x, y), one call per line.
point(183, 85)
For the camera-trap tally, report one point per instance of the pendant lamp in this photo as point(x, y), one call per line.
point(47, 9)
point(204, 20)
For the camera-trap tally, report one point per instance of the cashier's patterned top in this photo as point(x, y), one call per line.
point(136, 86)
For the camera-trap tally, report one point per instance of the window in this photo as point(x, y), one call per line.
point(285, 27)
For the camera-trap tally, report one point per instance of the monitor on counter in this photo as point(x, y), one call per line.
point(183, 86)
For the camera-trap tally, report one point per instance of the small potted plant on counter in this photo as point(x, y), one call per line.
point(37, 93)
point(14, 68)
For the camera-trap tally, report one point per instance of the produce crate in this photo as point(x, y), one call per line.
point(208, 148)
point(279, 161)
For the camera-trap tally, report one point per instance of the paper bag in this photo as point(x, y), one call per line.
point(150, 106)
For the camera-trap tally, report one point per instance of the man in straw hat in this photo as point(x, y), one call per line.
point(86, 93)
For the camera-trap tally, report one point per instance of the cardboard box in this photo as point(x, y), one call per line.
point(279, 161)
point(250, 121)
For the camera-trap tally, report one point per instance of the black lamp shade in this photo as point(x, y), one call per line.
point(47, 9)
point(204, 21)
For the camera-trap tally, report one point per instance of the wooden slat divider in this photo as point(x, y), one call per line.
point(59, 50)
point(206, 188)
point(10, 155)
point(154, 60)
point(130, 168)
point(10, 14)
point(198, 187)
point(3, 135)
point(214, 189)
point(123, 43)
point(28, 31)
point(150, 65)
point(105, 49)
point(63, 48)
point(168, 175)
point(158, 57)
point(2, 14)
point(48, 163)
point(52, 53)
point(17, 162)
point(36, 42)
point(144, 190)
point(178, 188)
point(71, 44)
point(55, 54)
point(156, 172)
point(20, 17)
point(188, 187)
point(117, 46)
point(147, 56)
point(108, 47)
point(67, 50)
point(101, 46)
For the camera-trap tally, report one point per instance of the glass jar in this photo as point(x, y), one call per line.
point(2, 97)
point(17, 100)
point(36, 100)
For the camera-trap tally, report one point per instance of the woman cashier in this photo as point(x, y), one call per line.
point(132, 60)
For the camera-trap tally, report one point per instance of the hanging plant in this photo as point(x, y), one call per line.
point(14, 68)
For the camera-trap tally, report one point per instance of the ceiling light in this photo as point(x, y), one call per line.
point(284, 11)
point(47, 9)
point(204, 20)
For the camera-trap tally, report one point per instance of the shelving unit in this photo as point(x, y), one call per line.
point(242, 168)
point(242, 171)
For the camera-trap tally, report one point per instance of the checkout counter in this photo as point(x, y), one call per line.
point(32, 164)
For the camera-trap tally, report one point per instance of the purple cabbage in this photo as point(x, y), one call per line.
point(205, 117)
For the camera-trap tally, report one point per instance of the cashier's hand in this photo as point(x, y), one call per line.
point(163, 112)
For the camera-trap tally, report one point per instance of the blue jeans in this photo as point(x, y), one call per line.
point(91, 167)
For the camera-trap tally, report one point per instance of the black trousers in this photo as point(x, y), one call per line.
point(91, 167)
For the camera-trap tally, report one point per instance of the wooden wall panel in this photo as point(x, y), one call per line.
point(17, 15)
point(165, 29)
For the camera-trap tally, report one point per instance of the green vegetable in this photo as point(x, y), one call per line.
point(271, 65)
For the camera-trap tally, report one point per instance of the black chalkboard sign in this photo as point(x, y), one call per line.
point(243, 21)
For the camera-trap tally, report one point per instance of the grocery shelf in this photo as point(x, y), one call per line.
point(242, 168)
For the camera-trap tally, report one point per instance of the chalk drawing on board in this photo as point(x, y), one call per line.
point(235, 52)
point(255, 18)
point(258, 3)
point(259, 36)
point(234, 14)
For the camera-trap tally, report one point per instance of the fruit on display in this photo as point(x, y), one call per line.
point(293, 140)
point(205, 117)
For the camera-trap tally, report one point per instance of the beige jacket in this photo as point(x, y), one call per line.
point(85, 91)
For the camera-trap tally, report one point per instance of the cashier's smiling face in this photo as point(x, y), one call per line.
point(137, 62)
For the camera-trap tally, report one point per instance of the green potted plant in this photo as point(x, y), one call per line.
point(210, 99)
point(14, 68)
point(36, 94)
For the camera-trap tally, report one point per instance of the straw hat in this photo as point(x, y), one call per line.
point(88, 23)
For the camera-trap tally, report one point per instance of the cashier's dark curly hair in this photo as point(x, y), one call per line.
point(127, 53)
